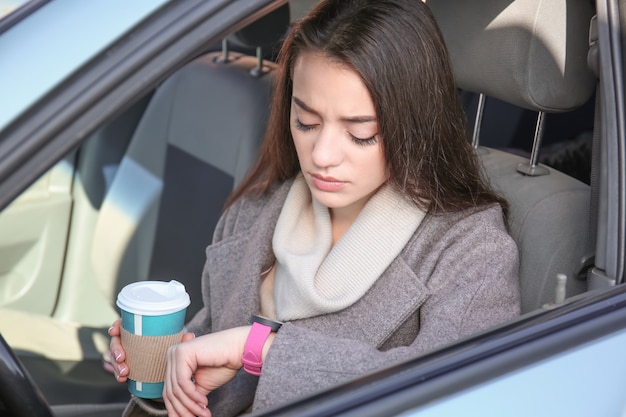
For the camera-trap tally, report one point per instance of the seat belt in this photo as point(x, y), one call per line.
point(595, 278)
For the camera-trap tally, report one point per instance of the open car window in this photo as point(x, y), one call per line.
point(103, 210)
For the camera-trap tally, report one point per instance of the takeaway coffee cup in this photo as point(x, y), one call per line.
point(153, 316)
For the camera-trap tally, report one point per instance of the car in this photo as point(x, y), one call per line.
point(125, 125)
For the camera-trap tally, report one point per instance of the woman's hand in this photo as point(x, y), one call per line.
point(197, 367)
point(117, 354)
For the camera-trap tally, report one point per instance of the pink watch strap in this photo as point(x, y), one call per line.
point(252, 358)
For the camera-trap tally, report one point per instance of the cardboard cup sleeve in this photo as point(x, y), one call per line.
point(146, 355)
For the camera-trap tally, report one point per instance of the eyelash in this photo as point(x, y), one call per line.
point(303, 127)
point(361, 142)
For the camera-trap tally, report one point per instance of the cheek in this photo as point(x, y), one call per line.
point(378, 166)
point(375, 158)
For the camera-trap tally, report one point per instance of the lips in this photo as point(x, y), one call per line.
point(328, 184)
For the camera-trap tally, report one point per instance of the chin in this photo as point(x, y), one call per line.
point(331, 203)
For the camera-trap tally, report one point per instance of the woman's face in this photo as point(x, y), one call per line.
point(335, 132)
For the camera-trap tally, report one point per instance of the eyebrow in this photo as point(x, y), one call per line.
point(354, 119)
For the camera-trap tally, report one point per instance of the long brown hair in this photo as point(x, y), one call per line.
point(398, 51)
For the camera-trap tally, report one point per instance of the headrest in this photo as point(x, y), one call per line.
point(531, 53)
point(264, 32)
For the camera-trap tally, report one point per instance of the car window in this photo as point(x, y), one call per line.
point(100, 202)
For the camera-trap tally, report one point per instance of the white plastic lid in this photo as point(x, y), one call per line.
point(153, 298)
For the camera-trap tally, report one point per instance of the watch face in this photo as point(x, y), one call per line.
point(274, 325)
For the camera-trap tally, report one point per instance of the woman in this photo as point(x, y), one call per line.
point(365, 227)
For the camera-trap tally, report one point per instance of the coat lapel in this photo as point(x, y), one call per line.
point(395, 296)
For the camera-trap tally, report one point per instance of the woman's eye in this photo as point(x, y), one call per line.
point(364, 142)
point(359, 141)
point(303, 127)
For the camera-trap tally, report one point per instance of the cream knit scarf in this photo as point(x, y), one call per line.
point(312, 276)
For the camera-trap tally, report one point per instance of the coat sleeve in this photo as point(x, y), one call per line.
point(474, 286)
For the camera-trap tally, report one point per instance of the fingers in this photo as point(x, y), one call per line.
point(180, 394)
point(114, 330)
point(117, 355)
point(117, 364)
point(115, 345)
point(179, 404)
point(198, 367)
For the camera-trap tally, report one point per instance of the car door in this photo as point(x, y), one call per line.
point(33, 238)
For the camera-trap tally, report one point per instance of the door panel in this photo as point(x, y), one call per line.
point(33, 238)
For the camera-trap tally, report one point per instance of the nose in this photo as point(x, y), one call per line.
point(327, 151)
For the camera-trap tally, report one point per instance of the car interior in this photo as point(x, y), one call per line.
point(140, 199)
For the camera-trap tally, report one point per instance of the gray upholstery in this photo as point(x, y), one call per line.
point(548, 220)
point(530, 53)
point(196, 141)
point(190, 149)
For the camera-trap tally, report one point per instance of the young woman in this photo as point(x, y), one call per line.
point(365, 227)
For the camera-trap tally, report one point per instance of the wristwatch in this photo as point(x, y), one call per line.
point(252, 358)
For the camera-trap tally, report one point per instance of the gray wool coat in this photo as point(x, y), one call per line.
point(457, 275)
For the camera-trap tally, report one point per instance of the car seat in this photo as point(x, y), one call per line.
point(532, 54)
point(195, 142)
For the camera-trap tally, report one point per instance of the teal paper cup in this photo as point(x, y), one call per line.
point(153, 317)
